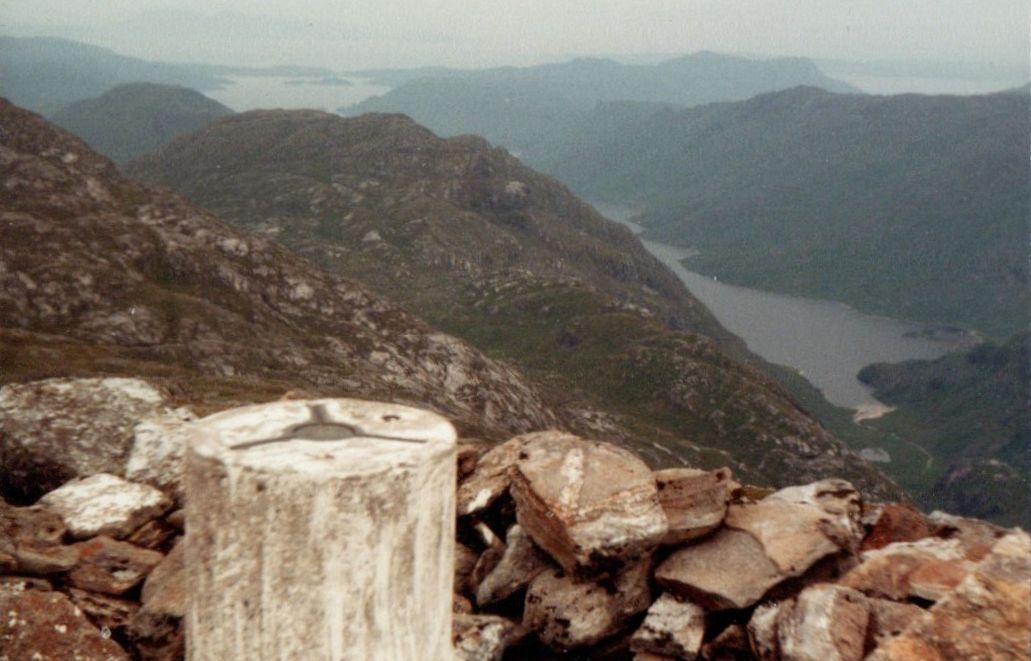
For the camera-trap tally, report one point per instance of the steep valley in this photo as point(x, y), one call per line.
point(479, 245)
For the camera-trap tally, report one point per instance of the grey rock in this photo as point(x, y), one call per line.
point(158, 447)
point(54, 430)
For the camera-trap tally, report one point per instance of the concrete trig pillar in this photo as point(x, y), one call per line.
point(320, 529)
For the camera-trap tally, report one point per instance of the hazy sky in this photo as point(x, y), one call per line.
point(365, 33)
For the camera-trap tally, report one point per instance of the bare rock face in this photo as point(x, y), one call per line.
point(30, 541)
point(985, 617)
point(728, 570)
point(47, 625)
point(899, 522)
point(111, 567)
point(695, 501)
point(568, 613)
point(519, 564)
point(835, 497)
point(889, 618)
point(484, 637)
point(158, 451)
point(592, 506)
point(104, 504)
point(673, 627)
point(926, 569)
point(824, 623)
point(54, 430)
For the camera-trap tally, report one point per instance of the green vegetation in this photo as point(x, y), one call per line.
point(130, 120)
point(969, 411)
point(909, 206)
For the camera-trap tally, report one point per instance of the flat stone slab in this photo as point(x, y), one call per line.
point(927, 569)
point(105, 504)
point(592, 506)
point(728, 570)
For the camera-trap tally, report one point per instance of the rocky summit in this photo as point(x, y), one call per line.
point(479, 245)
point(102, 276)
point(94, 570)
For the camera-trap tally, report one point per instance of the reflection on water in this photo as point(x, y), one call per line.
point(253, 92)
point(826, 341)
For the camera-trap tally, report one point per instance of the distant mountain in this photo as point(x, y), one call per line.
point(528, 109)
point(130, 120)
point(479, 245)
point(910, 206)
point(970, 411)
point(45, 74)
point(103, 276)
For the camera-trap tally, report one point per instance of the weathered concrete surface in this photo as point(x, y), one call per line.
point(592, 506)
point(695, 501)
point(341, 548)
point(54, 430)
point(104, 504)
point(673, 627)
point(568, 613)
point(985, 617)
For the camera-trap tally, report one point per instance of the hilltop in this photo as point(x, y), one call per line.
point(130, 120)
point(531, 109)
point(482, 247)
point(103, 276)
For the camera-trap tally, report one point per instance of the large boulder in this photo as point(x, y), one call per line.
point(987, 616)
point(591, 506)
point(54, 430)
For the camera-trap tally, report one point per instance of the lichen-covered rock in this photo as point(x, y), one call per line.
point(49, 627)
point(158, 448)
point(567, 613)
point(673, 627)
point(54, 430)
point(104, 504)
point(824, 623)
point(985, 617)
point(111, 567)
point(695, 501)
point(484, 637)
point(592, 506)
point(519, 564)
